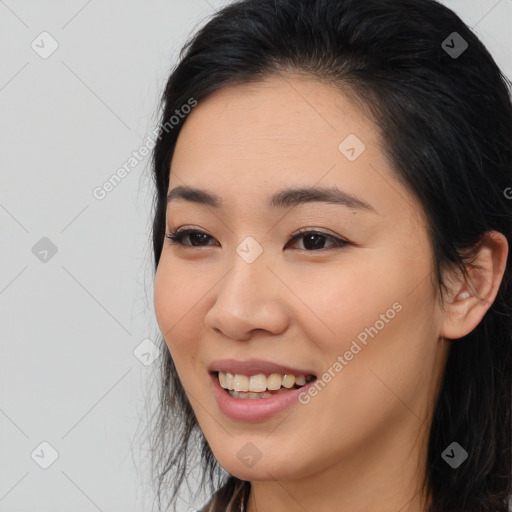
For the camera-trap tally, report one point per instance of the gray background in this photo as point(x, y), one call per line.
point(76, 326)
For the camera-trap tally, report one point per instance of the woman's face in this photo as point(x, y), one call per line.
point(361, 316)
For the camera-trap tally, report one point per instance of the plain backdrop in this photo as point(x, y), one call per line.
point(80, 83)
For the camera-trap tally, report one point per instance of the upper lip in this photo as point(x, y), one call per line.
point(255, 367)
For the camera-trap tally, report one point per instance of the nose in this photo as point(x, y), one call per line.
point(248, 299)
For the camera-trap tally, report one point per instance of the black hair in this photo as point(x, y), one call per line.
point(445, 117)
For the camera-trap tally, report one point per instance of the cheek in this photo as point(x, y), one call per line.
point(385, 335)
point(177, 319)
point(176, 299)
point(372, 315)
point(164, 297)
point(347, 298)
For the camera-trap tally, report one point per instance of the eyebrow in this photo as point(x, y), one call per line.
point(285, 198)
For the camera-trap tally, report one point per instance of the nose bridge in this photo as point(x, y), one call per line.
point(247, 297)
point(248, 272)
point(246, 285)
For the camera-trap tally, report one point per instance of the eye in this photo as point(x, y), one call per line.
point(312, 240)
point(196, 237)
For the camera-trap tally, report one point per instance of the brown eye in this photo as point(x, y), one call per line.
point(315, 240)
point(196, 238)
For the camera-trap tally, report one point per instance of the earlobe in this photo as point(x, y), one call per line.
point(471, 297)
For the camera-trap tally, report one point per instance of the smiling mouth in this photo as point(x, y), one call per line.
point(255, 387)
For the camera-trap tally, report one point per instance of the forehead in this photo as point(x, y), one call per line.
point(287, 116)
point(253, 139)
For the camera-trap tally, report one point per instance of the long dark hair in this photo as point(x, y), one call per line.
point(445, 116)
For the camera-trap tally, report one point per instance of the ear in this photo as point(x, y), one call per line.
point(469, 300)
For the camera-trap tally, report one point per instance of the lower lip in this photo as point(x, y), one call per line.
point(254, 410)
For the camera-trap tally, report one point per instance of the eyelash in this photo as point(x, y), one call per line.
point(176, 238)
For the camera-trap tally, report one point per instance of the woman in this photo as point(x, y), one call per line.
point(332, 284)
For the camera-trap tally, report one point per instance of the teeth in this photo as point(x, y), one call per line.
point(249, 396)
point(255, 396)
point(241, 383)
point(274, 381)
point(259, 383)
point(300, 380)
point(288, 381)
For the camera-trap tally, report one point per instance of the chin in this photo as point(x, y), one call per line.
point(265, 469)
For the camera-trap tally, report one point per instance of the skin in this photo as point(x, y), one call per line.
point(360, 444)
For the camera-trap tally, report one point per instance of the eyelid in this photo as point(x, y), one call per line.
point(316, 231)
